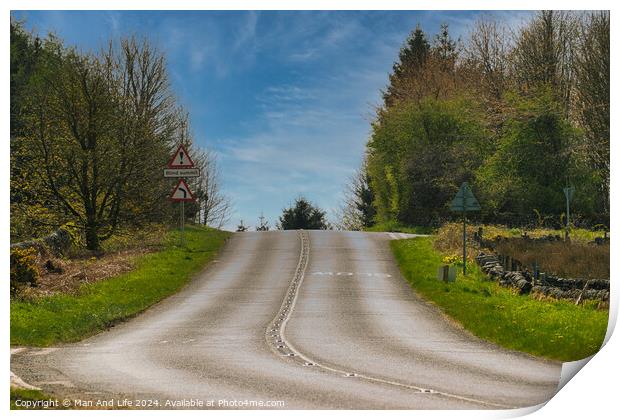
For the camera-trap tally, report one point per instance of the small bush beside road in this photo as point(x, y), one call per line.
point(69, 317)
point(558, 330)
point(24, 270)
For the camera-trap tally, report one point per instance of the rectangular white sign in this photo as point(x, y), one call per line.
point(182, 173)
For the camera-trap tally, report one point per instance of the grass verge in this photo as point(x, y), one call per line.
point(397, 227)
point(556, 330)
point(72, 317)
point(27, 399)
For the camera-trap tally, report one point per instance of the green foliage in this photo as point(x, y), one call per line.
point(593, 106)
point(86, 129)
point(419, 154)
point(519, 121)
point(536, 157)
point(554, 329)
point(69, 318)
point(358, 210)
point(303, 215)
point(24, 270)
point(392, 226)
point(411, 58)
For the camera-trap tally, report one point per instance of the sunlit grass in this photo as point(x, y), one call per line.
point(71, 317)
point(557, 330)
point(19, 396)
point(397, 227)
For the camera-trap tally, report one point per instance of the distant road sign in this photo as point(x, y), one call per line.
point(180, 159)
point(182, 192)
point(181, 173)
point(464, 200)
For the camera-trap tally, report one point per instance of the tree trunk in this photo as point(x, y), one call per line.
point(92, 238)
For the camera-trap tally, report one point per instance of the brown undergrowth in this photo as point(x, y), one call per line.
point(578, 258)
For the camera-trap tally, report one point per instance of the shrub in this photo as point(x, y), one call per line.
point(24, 271)
point(58, 241)
point(449, 240)
point(451, 259)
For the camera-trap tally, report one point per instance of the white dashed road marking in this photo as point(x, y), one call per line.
point(276, 339)
point(348, 274)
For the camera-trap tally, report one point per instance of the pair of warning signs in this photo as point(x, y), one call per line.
point(181, 166)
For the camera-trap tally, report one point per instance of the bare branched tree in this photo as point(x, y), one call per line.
point(592, 98)
point(544, 53)
point(487, 51)
point(96, 127)
point(214, 208)
point(357, 211)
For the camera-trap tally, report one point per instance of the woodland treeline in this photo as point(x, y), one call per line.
point(519, 113)
point(90, 135)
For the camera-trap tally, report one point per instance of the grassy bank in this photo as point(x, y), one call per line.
point(72, 317)
point(490, 231)
point(24, 399)
point(397, 227)
point(557, 330)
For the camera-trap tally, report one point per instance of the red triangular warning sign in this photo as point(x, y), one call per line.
point(182, 192)
point(180, 159)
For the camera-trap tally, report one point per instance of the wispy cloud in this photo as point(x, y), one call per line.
point(212, 45)
point(247, 31)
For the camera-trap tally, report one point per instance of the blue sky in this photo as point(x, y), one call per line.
point(284, 98)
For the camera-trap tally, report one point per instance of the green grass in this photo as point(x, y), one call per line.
point(576, 234)
point(556, 330)
point(491, 231)
point(95, 307)
point(29, 395)
point(397, 227)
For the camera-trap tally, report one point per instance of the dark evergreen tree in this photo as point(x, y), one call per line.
point(364, 196)
point(263, 224)
point(303, 215)
point(241, 227)
point(412, 56)
point(445, 49)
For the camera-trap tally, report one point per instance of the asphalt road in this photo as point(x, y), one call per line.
point(316, 319)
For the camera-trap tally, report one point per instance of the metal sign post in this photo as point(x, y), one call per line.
point(464, 243)
point(182, 223)
point(182, 193)
point(181, 165)
point(464, 201)
point(568, 192)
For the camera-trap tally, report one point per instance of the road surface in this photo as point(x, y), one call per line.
point(297, 320)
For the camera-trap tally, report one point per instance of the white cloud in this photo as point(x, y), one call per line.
point(307, 55)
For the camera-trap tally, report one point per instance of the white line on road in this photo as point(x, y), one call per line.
point(18, 382)
point(348, 274)
point(283, 347)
